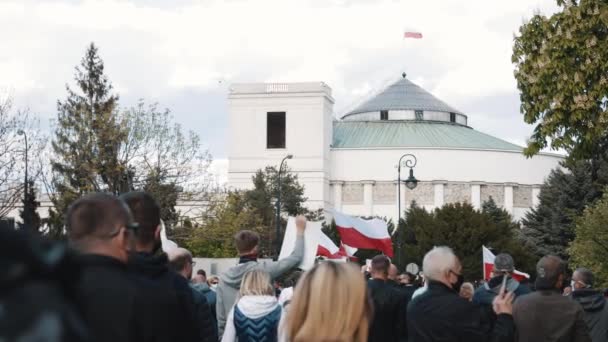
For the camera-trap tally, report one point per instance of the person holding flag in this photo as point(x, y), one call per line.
point(504, 266)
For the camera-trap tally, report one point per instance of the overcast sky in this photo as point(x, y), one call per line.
point(184, 53)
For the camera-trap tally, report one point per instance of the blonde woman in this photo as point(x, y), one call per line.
point(330, 303)
point(256, 314)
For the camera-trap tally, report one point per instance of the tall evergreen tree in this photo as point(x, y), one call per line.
point(549, 228)
point(87, 139)
point(29, 214)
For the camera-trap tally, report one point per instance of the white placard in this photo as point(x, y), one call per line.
point(312, 236)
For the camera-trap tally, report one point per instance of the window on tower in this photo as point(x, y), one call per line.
point(452, 117)
point(275, 130)
point(419, 114)
point(384, 115)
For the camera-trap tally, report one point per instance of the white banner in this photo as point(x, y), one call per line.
point(312, 236)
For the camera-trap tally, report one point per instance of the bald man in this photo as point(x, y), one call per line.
point(546, 314)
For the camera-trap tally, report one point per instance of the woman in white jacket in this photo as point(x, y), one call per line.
point(256, 314)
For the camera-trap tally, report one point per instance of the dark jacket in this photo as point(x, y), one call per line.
point(206, 319)
point(440, 314)
point(211, 299)
point(485, 294)
point(390, 308)
point(548, 316)
point(107, 298)
point(596, 312)
point(168, 306)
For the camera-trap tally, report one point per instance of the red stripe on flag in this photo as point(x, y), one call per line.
point(415, 35)
point(354, 238)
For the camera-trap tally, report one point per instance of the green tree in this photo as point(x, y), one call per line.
point(561, 68)
point(215, 238)
point(549, 228)
point(29, 215)
point(87, 139)
point(97, 147)
point(465, 230)
point(590, 247)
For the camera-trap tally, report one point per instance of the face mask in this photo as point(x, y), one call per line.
point(456, 286)
point(213, 287)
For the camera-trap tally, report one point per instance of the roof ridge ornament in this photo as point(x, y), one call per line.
point(403, 74)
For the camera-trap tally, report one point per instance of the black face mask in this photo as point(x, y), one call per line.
point(456, 286)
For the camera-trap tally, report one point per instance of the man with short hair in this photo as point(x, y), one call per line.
point(504, 265)
point(180, 260)
point(592, 302)
point(390, 304)
point(546, 315)
point(99, 226)
point(247, 246)
point(407, 284)
point(200, 277)
point(440, 314)
point(166, 296)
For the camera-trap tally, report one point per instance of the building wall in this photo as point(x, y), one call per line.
point(308, 108)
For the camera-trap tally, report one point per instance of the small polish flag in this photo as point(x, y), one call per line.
point(488, 266)
point(414, 35)
point(367, 234)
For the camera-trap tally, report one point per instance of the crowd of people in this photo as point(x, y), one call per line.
point(116, 284)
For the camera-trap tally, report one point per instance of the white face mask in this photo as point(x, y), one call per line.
point(213, 287)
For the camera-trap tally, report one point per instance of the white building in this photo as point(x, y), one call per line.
point(350, 164)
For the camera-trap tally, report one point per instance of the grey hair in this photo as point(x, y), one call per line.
point(438, 261)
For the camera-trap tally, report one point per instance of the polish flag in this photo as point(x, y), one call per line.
point(327, 248)
point(367, 234)
point(348, 251)
point(488, 266)
point(415, 35)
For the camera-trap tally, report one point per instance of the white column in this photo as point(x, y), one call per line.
point(368, 197)
point(476, 195)
point(439, 198)
point(535, 196)
point(338, 194)
point(508, 205)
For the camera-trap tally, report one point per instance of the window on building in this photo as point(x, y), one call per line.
point(419, 114)
point(384, 115)
point(275, 130)
point(452, 117)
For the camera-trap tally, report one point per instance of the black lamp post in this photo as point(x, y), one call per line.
point(278, 248)
point(411, 182)
point(26, 218)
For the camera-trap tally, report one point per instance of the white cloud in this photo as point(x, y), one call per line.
point(156, 51)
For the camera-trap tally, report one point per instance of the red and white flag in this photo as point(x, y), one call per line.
point(367, 234)
point(488, 266)
point(327, 248)
point(414, 35)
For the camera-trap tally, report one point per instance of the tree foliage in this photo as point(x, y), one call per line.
point(465, 230)
point(590, 247)
point(561, 68)
point(99, 148)
point(29, 214)
point(549, 228)
point(253, 209)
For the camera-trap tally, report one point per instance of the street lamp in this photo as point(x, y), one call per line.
point(411, 182)
point(26, 217)
point(278, 248)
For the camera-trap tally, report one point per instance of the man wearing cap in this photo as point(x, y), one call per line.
point(593, 302)
point(546, 315)
point(485, 294)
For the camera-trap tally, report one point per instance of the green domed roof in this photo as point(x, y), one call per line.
point(391, 134)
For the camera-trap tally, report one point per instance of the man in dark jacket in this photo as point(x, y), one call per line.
point(390, 304)
point(99, 227)
point(504, 265)
point(167, 305)
point(181, 262)
point(593, 302)
point(546, 315)
point(440, 314)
